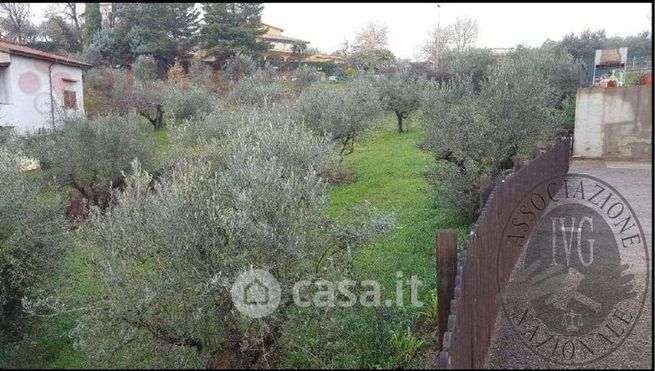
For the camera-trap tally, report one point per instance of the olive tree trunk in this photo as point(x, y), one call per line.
point(400, 121)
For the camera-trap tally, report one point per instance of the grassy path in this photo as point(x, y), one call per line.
point(390, 174)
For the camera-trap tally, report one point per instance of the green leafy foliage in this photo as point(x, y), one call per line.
point(200, 74)
point(458, 186)
point(232, 28)
point(165, 31)
point(239, 66)
point(584, 45)
point(187, 101)
point(87, 153)
point(261, 206)
point(305, 76)
point(400, 93)
point(145, 68)
point(122, 92)
point(480, 132)
point(258, 90)
point(406, 344)
point(374, 60)
point(342, 113)
point(470, 62)
point(106, 48)
point(92, 22)
point(193, 138)
point(31, 244)
point(389, 172)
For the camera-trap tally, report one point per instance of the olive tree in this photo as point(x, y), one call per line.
point(143, 97)
point(145, 68)
point(557, 66)
point(480, 132)
point(200, 74)
point(342, 113)
point(522, 111)
point(455, 121)
point(239, 66)
point(91, 155)
point(123, 92)
point(192, 138)
point(256, 202)
point(32, 242)
point(372, 60)
point(305, 76)
point(258, 89)
point(400, 92)
point(187, 101)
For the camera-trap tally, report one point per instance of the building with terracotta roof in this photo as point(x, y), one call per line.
point(282, 48)
point(36, 87)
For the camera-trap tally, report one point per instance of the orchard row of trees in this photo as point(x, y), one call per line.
point(246, 172)
point(475, 128)
point(243, 182)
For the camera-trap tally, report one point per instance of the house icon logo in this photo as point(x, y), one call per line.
point(256, 293)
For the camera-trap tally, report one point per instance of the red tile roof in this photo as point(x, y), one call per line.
point(38, 54)
point(280, 38)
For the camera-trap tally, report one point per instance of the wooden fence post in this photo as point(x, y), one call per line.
point(446, 271)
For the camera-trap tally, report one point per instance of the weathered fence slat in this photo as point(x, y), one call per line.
point(447, 269)
point(468, 291)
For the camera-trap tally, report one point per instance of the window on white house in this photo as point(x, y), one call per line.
point(4, 84)
point(70, 99)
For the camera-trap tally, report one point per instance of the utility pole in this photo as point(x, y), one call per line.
point(436, 62)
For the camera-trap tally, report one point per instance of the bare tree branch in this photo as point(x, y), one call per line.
point(15, 22)
point(372, 36)
point(70, 11)
point(463, 33)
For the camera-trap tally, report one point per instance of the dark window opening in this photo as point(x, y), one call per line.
point(70, 99)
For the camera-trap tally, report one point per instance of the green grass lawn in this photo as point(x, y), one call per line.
point(389, 173)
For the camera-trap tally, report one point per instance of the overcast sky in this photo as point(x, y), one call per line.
point(326, 25)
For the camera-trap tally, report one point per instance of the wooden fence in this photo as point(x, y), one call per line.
point(468, 298)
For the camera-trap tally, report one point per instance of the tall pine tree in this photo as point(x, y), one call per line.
point(232, 28)
point(166, 31)
point(92, 22)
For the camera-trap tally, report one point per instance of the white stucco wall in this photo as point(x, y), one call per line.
point(27, 104)
point(614, 122)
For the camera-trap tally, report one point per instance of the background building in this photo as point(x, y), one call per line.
point(37, 87)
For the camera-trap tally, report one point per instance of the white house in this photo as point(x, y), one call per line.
point(37, 87)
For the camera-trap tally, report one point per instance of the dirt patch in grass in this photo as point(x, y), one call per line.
point(341, 176)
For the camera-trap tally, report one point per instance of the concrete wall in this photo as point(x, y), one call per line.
point(614, 123)
point(26, 100)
